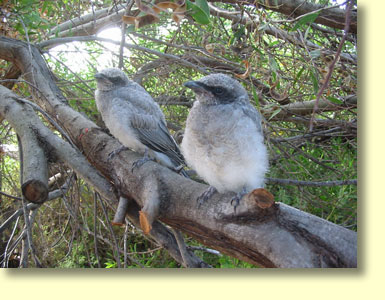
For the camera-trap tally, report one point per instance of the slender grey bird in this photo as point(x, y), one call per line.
point(223, 139)
point(135, 119)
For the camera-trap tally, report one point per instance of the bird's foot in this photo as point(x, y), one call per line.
point(142, 161)
point(206, 195)
point(237, 198)
point(180, 170)
point(116, 152)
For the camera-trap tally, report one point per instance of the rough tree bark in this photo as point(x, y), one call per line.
point(279, 236)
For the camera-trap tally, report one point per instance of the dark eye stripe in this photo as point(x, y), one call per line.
point(116, 80)
point(216, 90)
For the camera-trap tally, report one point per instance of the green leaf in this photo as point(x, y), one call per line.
point(314, 80)
point(204, 6)
point(239, 32)
point(305, 20)
point(44, 7)
point(274, 43)
point(255, 96)
point(276, 112)
point(198, 13)
point(263, 26)
point(315, 53)
point(334, 100)
point(298, 75)
point(273, 64)
point(27, 2)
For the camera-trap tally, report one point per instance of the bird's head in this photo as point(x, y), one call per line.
point(111, 78)
point(217, 89)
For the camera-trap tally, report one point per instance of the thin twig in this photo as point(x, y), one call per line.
point(123, 33)
point(332, 65)
point(125, 236)
point(116, 246)
point(270, 180)
point(95, 239)
point(208, 250)
point(5, 263)
point(10, 196)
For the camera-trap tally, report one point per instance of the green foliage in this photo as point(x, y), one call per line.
point(308, 19)
point(200, 11)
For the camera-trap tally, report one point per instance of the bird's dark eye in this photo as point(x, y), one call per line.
point(219, 91)
point(116, 80)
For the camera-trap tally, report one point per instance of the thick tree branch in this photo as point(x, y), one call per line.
point(279, 237)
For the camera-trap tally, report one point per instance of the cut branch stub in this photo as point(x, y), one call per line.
point(261, 197)
point(120, 212)
point(34, 161)
point(35, 191)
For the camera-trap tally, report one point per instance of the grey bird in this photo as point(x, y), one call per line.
point(223, 140)
point(135, 119)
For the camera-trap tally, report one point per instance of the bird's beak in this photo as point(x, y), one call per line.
point(99, 76)
point(196, 86)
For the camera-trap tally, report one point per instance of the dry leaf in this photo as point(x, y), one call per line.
point(144, 223)
point(140, 21)
point(179, 14)
point(152, 13)
point(145, 8)
point(248, 70)
point(163, 6)
point(210, 48)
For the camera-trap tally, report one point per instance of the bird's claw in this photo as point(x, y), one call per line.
point(206, 195)
point(236, 199)
point(141, 162)
point(116, 152)
point(178, 169)
point(235, 202)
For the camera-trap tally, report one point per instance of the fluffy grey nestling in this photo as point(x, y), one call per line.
point(223, 139)
point(134, 118)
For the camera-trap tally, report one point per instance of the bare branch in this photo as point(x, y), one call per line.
point(310, 183)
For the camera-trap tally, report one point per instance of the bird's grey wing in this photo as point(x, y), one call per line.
point(147, 121)
point(254, 115)
point(141, 101)
point(153, 133)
